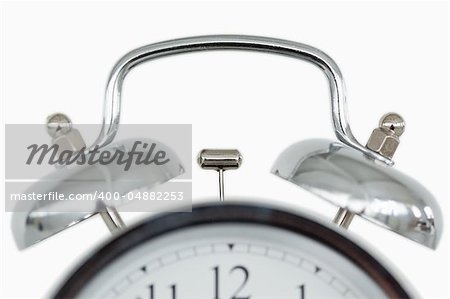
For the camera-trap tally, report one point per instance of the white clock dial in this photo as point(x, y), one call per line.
point(232, 261)
point(224, 260)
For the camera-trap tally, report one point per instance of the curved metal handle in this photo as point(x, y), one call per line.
point(111, 115)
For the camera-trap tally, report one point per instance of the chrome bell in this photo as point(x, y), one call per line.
point(360, 185)
point(34, 221)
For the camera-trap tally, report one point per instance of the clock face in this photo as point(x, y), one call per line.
point(231, 252)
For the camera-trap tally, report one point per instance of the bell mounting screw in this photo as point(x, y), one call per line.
point(386, 138)
point(383, 140)
point(220, 160)
point(58, 124)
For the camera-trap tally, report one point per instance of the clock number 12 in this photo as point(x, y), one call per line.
point(239, 289)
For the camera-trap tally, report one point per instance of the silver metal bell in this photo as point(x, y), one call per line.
point(34, 221)
point(360, 185)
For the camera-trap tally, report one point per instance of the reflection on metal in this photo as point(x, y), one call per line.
point(383, 140)
point(34, 221)
point(112, 219)
point(343, 218)
point(354, 182)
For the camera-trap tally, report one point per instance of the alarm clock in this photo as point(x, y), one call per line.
point(240, 248)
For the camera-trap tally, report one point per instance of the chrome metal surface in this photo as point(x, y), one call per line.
point(57, 124)
point(112, 219)
point(34, 221)
point(216, 159)
point(386, 138)
point(220, 160)
point(343, 218)
point(112, 103)
point(353, 182)
point(221, 186)
point(394, 122)
point(69, 141)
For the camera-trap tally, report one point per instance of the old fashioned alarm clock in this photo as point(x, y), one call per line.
point(241, 250)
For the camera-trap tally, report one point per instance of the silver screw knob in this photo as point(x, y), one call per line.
point(58, 124)
point(59, 127)
point(385, 139)
point(394, 122)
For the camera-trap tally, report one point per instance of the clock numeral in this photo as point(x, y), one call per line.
point(245, 271)
point(173, 288)
point(302, 291)
point(152, 291)
point(239, 289)
point(174, 291)
point(216, 282)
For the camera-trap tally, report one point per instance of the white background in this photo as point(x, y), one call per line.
point(394, 57)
